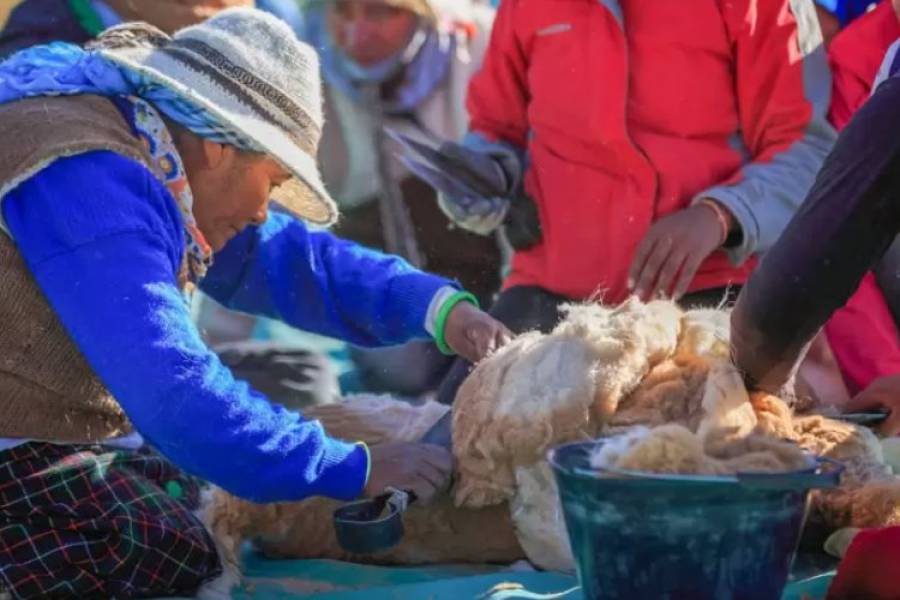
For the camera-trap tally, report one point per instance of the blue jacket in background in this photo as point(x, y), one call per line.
point(847, 10)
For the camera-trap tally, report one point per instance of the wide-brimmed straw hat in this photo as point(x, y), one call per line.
point(250, 72)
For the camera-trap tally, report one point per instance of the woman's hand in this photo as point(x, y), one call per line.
point(472, 333)
point(423, 469)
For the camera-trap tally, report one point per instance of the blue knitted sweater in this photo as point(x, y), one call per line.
point(104, 240)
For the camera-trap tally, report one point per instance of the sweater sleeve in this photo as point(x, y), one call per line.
point(317, 282)
point(104, 241)
point(783, 89)
point(846, 223)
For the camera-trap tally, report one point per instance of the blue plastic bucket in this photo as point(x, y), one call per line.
point(666, 537)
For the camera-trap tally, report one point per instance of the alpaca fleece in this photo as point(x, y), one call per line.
point(676, 449)
point(606, 370)
point(661, 376)
point(542, 390)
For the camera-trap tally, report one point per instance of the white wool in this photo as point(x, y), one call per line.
point(607, 455)
point(627, 341)
point(543, 390)
point(531, 394)
point(726, 403)
point(532, 388)
point(538, 517)
point(705, 333)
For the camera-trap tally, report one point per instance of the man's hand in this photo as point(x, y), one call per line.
point(423, 469)
point(472, 333)
point(884, 392)
point(668, 257)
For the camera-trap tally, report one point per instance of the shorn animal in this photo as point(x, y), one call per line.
point(661, 375)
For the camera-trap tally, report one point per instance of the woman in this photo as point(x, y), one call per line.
point(130, 173)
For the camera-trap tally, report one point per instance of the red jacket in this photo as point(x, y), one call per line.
point(855, 55)
point(631, 110)
point(867, 570)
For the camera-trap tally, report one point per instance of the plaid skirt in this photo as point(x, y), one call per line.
point(98, 522)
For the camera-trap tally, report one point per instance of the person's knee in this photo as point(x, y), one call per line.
point(294, 378)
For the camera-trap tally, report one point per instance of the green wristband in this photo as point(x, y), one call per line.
point(441, 321)
point(86, 16)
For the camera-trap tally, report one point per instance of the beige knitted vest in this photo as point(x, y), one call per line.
point(47, 389)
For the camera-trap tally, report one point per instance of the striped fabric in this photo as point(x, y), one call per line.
point(96, 522)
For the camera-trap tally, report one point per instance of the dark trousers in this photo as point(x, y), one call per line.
point(527, 308)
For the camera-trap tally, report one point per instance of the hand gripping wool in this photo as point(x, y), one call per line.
point(437, 533)
point(543, 390)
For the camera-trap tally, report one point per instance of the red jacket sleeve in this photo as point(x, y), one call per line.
point(498, 94)
point(867, 568)
point(850, 89)
point(783, 91)
point(855, 55)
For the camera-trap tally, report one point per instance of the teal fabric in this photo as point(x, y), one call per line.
point(334, 580)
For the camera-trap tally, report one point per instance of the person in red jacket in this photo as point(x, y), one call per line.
point(661, 148)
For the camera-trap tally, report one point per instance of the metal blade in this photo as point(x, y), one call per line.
point(430, 154)
point(483, 167)
point(438, 180)
point(409, 143)
point(478, 177)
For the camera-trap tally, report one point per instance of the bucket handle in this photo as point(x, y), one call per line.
point(827, 474)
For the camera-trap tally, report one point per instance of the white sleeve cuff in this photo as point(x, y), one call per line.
point(437, 301)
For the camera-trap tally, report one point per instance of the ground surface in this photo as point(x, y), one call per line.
point(332, 580)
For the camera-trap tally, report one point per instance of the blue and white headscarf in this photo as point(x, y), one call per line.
point(62, 69)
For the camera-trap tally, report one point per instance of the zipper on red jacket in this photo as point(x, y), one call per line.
point(628, 138)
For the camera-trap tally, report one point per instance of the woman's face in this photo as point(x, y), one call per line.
point(231, 190)
point(369, 31)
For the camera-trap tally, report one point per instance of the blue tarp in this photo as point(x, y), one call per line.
point(334, 580)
